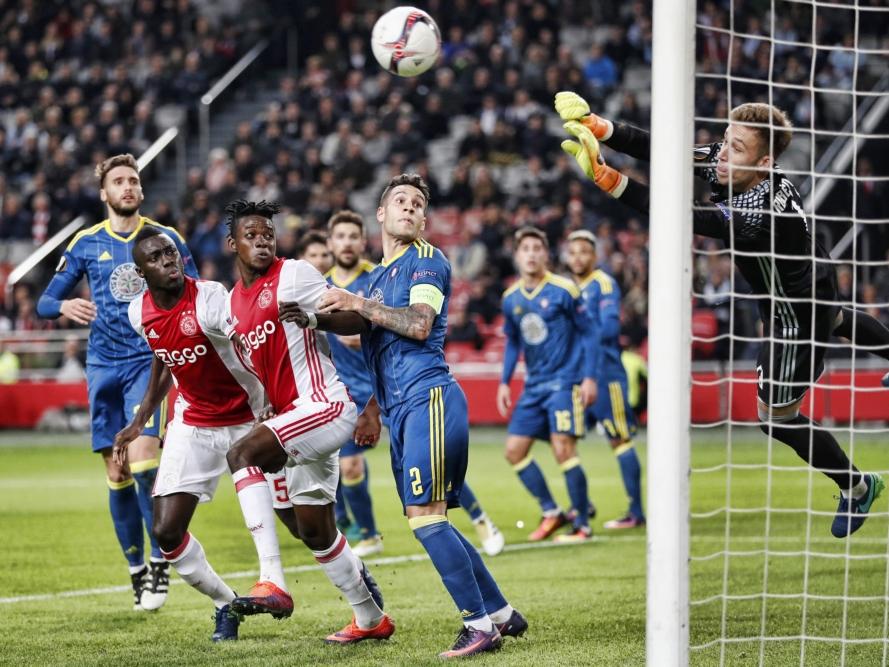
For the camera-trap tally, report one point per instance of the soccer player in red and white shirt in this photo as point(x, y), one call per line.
point(183, 322)
point(314, 416)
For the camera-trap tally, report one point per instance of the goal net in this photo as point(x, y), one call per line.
point(767, 583)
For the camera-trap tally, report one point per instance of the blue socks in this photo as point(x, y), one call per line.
point(340, 513)
point(357, 494)
point(453, 563)
point(469, 502)
point(145, 472)
point(532, 477)
point(631, 472)
point(491, 595)
point(575, 480)
point(127, 518)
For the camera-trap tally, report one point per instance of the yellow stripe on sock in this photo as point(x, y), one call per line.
point(577, 403)
point(352, 482)
point(573, 462)
point(623, 447)
point(426, 520)
point(142, 466)
point(117, 486)
point(618, 410)
point(524, 463)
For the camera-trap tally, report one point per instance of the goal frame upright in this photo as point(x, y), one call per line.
point(670, 272)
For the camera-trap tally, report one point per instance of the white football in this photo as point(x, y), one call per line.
point(406, 41)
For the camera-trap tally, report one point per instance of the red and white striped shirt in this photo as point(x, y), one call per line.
point(292, 363)
point(215, 388)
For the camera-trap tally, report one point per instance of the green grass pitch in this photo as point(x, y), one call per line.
point(64, 597)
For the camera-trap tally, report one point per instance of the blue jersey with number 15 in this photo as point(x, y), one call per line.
point(106, 259)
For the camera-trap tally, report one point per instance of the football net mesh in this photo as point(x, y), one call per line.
point(768, 582)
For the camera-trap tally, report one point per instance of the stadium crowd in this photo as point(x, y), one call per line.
point(478, 127)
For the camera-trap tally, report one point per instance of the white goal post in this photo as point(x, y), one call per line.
point(672, 118)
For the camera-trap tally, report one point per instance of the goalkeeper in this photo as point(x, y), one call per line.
point(757, 211)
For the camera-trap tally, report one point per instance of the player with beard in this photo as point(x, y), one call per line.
point(118, 362)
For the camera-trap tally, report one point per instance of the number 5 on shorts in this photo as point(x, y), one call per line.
point(416, 483)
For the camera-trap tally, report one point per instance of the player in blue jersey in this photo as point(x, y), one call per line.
point(402, 325)
point(346, 242)
point(601, 293)
point(118, 361)
point(546, 320)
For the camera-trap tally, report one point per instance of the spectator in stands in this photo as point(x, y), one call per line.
point(71, 365)
point(9, 365)
point(15, 223)
point(462, 329)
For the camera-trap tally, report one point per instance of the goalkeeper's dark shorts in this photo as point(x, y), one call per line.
point(791, 357)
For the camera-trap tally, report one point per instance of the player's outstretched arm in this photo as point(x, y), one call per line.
point(414, 321)
point(708, 220)
point(52, 302)
point(159, 384)
point(342, 323)
point(622, 137)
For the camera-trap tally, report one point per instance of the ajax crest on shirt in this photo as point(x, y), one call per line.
point(265, 298)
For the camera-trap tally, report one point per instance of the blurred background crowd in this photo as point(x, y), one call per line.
point(84, 79)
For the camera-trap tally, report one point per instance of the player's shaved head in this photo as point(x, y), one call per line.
point(143, 235)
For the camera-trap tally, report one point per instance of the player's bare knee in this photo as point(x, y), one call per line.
point(168, 534)
point(516, 450)
point(564, 448)
point(236, 458)
point(352, 467)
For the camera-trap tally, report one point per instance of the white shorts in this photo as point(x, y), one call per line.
point(311, 435)
point(193, 458)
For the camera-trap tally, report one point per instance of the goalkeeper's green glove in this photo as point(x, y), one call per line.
point(571, 106)
point(590, 159)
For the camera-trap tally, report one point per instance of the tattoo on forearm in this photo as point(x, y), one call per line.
point(412, 322)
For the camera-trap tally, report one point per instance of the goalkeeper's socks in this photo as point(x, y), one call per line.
point(190, 561)
point(470, 503)
point(818, 447)
point(575, 480)
point(127, 519)
point(631, 472)
point(864, 329)
point(491, 595)
point(532, 477)
point(145, 472)
point(256, 506)
point(357, 495)
point(451, 560)
point(343, 569)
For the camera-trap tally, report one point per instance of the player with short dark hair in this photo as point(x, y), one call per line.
point(118, 361)
point(313, 248)
point(183, 322)
point(601, 293)
point(350, 271)
point(546, 320)
point(757, 211)
point(402, 323)
point(314, 416)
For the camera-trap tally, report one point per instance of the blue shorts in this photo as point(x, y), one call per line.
point(613, 410)
point(350, 448)
point(429, 446)
point(114, 395)
point(539, 414)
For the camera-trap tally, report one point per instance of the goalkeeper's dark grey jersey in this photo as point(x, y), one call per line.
point(772, 239)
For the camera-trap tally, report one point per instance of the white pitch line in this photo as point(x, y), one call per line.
point(250, 574)
point(417, 558)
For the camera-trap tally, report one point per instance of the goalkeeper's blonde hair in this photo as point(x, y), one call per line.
point(765, 120)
